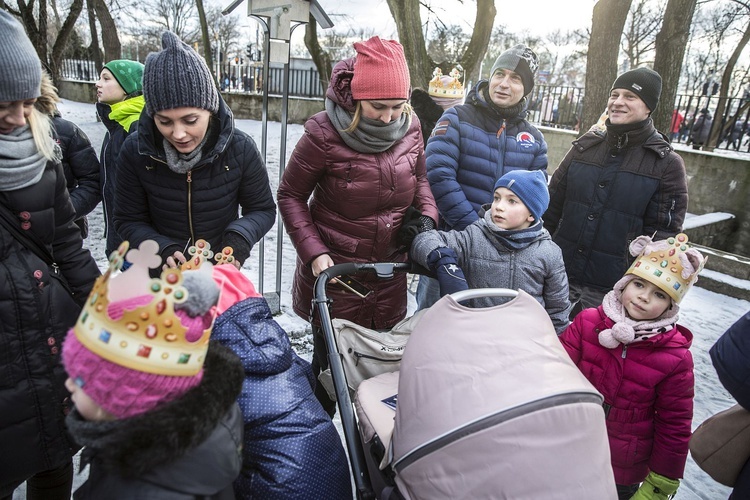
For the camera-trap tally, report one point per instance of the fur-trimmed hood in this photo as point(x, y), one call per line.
point(192, 444)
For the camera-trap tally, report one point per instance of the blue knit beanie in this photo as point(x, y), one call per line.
point(530, 187)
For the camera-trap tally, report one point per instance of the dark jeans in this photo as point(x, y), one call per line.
point(624, 492)
point(319, 364)
point(55, 484)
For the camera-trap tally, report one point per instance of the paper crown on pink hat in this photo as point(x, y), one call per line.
point(669, 264)
point(129, 318)
point(446, 86)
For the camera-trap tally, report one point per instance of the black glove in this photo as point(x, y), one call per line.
point(413, 224)
point(450, 277)
point(240, 246)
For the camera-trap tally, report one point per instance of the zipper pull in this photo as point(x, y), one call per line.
point(190, 176)
point(624, 351)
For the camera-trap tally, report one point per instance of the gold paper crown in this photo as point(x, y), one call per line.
point(660, 264)
point(451, 90)
point(143, 333)
point(201, 252)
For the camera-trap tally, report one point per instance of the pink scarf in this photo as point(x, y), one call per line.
point(627, 330)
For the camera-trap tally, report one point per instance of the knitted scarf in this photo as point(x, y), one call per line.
point(505, 113)
point(370, 136)
point(127, 112)
point(515, 239)
point(21, 163)
point(627, 330)
point(182, 163)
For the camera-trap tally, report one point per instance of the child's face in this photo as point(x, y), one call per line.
point(644, 301)
point(508, 211)
point(87, 407)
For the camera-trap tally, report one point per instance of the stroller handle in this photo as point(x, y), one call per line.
point(476, 293)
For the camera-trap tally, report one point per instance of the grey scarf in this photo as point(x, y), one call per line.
point(370, 136)
point(183, 163)
point(21, 163)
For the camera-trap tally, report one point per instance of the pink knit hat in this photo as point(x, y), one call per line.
point(235, 287)
point(125, 391)
point(380, 71)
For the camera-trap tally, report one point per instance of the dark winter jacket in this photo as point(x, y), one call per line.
point(153, 202)
point(186, 449)
point(648, 391)
point(427, 110)
point(701, 129)
point(81, 168)
point(111, 146)
point(730, 356)
point(357, 207)
point(277, 395)
point(537, 269)
point(33, 399)
point(608, 190)
point(470, 149)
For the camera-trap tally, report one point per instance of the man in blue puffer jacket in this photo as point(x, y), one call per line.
point(475, 144)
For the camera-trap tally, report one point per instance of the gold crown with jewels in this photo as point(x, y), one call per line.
point(669, 264)
point(129, 317)
point(453, 89)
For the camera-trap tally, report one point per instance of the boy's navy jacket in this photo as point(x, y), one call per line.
point(291, 447)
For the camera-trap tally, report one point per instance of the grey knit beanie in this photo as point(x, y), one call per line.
point(177, 77)
point(523, 61)
point(21, 74)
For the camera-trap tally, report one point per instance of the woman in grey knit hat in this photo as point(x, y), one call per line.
point(187, 172)
point(35, 211)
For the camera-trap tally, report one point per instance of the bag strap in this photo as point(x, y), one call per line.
point(27, 238)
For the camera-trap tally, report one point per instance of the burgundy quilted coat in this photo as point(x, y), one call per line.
point(357, 206)
point(649, 385)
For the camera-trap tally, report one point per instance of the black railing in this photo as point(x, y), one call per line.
point(693, 120)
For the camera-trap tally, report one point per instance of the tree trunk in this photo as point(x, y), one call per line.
point(409, 26)
point(480, 39)
point(94, 47)
point(601, 62)
point(62, 38)
point(205, 37)
point(37, 33)
point(320, 57)
point(713, 139)
point(110, 39)
point(670, 51)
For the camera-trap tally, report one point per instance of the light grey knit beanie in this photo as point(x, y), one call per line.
point(177, 77)
point(21, 74)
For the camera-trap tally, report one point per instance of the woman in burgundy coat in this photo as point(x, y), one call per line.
point(362, 160)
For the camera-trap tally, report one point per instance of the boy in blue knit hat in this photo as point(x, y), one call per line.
point(506, 248)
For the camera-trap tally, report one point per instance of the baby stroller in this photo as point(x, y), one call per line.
point(489, 405)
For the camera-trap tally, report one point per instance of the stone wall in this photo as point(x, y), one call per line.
point(715, 183)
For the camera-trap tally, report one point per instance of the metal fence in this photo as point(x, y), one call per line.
point(556, 106)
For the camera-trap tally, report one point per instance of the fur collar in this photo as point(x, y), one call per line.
point(133, 446)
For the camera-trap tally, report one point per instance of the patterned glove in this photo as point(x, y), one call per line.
point(656, 487)
point(413, 224)
point(442, 261)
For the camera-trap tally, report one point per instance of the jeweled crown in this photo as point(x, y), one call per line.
point(129, 317)
point(452, 89)
point(670, 264)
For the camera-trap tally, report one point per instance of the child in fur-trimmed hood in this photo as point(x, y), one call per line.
point(634, 352)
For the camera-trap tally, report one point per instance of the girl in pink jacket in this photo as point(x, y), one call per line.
point(634, 352)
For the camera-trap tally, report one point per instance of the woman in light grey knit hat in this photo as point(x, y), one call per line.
point(187, 172)
point(36, 216)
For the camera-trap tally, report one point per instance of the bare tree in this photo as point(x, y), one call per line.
point(94, 47)
point(601, 61)
point(639, 36)
point(670, 52)
point(110, 36)
point(204, 35)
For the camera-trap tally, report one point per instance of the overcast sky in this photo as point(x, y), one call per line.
point(537, 16)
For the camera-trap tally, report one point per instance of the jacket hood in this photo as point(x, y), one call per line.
point(200, 432)
point(340, 87)
point(424, 106)
point(149, 137)
point(262, 345)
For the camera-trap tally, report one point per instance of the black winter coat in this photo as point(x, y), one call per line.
point(608, 190)
point(427, 111)
point(188, 448)
point(33, 399)
point(111, 146)
point(153, 202)
point(81, 168)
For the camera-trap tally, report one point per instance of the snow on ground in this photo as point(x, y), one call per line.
point(705, 313)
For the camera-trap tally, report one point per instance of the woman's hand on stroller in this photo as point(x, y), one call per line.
point(442, 261)
point(321, 263)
